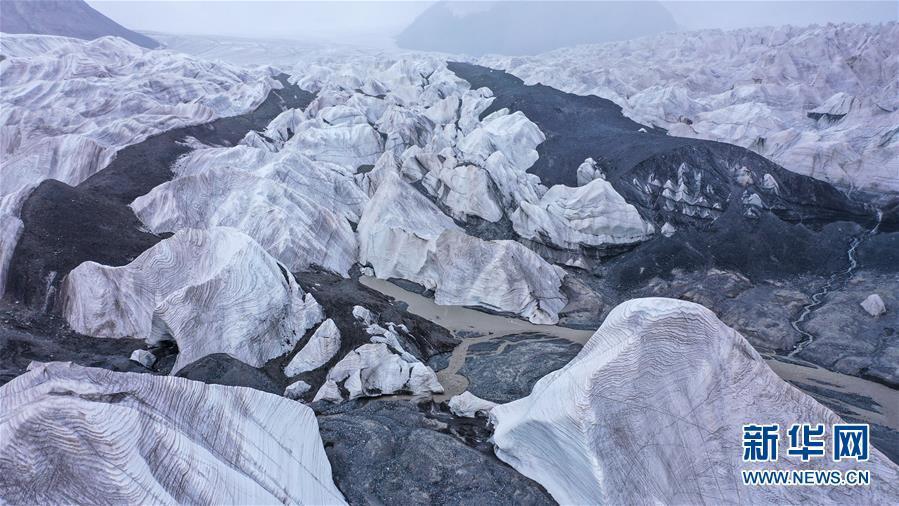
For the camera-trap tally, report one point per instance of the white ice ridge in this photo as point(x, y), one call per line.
point(322, 346)
point(469, 405)
point(819, 100)
point(69, 105)
point(211, 291)
point(590, 215)
point(80, 435)
point(651, 411)
point(404, 235)
point(297, 209)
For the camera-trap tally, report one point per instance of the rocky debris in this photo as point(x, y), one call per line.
point(223, 369)
point(696, 186)
point(647, 353)
point(144, 358)
point(469, 405)
point(324, 344)
point(848, 339)
point(505, 368)
point(28, 335)
point(156, 439)
point(361, 437)
point(873, 304)
point(297, 390)
point(186, 289)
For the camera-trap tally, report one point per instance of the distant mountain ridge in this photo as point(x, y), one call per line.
point(530, 27)
point(68, 18)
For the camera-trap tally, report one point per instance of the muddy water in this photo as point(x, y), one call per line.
point(886, 414)
point(474, 327)
point(471, 326)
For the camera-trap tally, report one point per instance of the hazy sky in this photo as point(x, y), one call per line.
point(353, 20)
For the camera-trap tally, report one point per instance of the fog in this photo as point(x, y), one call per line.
point(378, 22)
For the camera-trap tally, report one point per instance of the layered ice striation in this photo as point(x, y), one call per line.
point(69, 105)
point(592, 215)
point(404, 235)
point(296, 209)
point(651, 410)
point(78, 435)
point(211, 291)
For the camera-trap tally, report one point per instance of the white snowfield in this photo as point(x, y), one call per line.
point(819, 100)
point(80, 435)
point(211, 291)
point(651, 412)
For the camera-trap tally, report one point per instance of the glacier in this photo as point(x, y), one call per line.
point(818, 100)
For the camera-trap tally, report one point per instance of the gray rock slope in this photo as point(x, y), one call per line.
point(69, 18)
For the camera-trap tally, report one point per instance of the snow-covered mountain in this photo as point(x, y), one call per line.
point(67, 18)
point(818, 100)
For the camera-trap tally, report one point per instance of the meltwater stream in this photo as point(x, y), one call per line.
point(818, 297)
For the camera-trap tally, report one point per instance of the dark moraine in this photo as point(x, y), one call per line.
point(65, 225)
point(394, 452)
point(505, 368)
point(804, 226)
point(28, 335)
